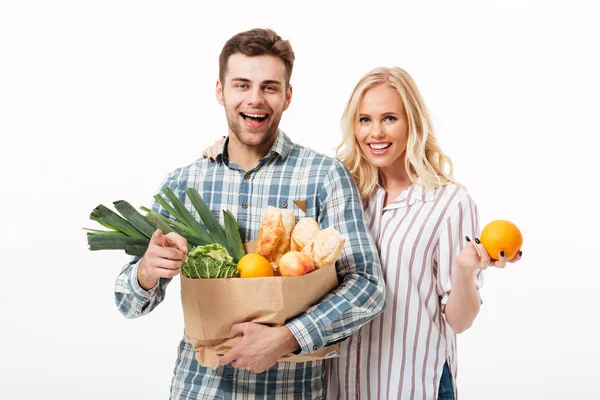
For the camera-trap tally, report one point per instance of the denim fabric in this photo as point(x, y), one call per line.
point(446, 391)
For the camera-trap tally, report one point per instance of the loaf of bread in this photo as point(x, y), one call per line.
point(270, 232)
point(304, 232)
point(326, 247)
point(288, 221)
point(275, 233)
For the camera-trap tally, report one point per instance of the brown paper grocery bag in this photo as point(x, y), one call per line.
point(212, 306)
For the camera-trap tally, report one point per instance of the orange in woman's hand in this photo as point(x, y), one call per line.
point(501, 235)
point(253, 265)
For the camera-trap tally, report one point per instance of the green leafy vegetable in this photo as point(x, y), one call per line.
point(209, 261)
point(131, 231)
point(234, 240)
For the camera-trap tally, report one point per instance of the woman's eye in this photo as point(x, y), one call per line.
point(389, 118)
point(363, 120)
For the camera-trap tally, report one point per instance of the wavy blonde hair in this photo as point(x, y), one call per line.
point(424, 161)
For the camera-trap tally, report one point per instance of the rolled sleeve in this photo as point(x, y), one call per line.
point(306, 333)
point(462, 221)
point(137, 291)
point(131, 299)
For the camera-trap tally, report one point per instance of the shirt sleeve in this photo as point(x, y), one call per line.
point(360, 297)
point(131, 299)
point(462, 221)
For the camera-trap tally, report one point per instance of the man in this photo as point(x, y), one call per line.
point(259, 166)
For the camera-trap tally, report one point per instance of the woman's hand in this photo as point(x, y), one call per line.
point(475, 256)
point(211, 152)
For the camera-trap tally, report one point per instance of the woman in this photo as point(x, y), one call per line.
point(422, 222)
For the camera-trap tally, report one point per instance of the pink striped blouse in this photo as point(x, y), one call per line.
point(400, 354)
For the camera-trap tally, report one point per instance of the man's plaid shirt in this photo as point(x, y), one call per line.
point(288, 172)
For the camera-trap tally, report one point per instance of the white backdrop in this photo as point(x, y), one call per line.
point(100, 100)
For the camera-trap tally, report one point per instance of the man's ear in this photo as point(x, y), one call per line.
point(219, 93)
point(288, 97)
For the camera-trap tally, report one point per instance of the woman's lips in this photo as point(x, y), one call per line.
point(379, 148)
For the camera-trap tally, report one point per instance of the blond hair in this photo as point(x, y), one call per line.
point(424, 161)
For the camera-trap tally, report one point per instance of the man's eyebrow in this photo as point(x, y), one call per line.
point(267, 82)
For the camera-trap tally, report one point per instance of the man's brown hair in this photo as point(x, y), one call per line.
point(257, 42)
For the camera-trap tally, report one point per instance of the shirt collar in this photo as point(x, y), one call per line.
point(409, 196)
point(281, 147)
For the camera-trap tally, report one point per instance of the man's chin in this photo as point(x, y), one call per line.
point(250, 138)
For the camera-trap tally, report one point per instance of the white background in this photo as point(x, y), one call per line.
point(100, 100)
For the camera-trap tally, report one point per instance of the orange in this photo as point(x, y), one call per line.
point(501, 235)
point(253, 265)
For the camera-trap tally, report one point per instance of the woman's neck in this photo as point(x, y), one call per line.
point(394, 178)
point(394, 181)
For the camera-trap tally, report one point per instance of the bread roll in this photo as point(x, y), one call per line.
point(270, 232)
point(304, 233)
point(327, 247)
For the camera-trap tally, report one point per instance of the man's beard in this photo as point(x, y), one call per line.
point(268, 132)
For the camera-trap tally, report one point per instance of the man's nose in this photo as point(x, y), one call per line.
point(256, 96)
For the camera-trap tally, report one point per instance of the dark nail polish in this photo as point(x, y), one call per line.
point(204, 156)
point(477, 241)
point(212, 159)
point(468, 240)
point(520, 253)
point(502, 254)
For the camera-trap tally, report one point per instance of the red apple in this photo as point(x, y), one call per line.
point(295, 263)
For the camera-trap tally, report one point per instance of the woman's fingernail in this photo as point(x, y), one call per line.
point(212, 159)
point(477, 241)
point(502, 253)
point(204, 156)
point(520, 253)
point(468, 240)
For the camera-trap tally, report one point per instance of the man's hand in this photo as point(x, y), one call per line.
point(163, 258)
point(261, 346)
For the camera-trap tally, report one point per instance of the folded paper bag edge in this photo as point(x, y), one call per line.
point(210, 356)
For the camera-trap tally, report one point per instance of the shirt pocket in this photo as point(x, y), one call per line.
point(302, 208)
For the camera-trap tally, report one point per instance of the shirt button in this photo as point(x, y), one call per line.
point(315, 348)
point(284, 204)
point(245, 205)
point(247, 176)
point(229, 377)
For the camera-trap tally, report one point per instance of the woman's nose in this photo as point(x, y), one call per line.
point(377, 130)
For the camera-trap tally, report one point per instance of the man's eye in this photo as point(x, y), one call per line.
point(271, 89)
point(242, 86)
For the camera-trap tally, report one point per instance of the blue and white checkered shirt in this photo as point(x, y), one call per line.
point(286, 173)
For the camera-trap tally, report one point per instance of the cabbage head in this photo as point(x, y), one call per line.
point(209, 261)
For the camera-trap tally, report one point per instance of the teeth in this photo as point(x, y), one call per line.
point(256, 115)
point(379, 146)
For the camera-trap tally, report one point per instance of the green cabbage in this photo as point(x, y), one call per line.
point(209, 261)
